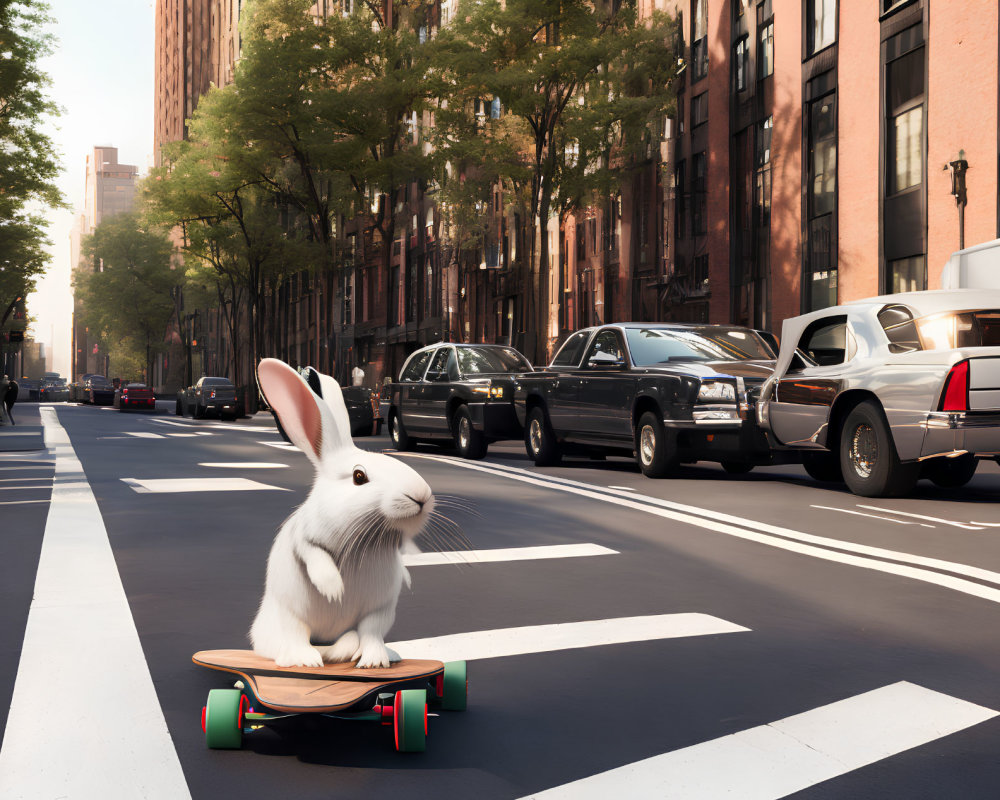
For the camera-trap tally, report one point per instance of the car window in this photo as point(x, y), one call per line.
point(414, 369)
point(900, 329)
point(960, 329)
point(826, 342)
point(571, 351)
point(215, 382)
point(609, 344)
point(489, 360)
point(439, 364)
point(453, 373)
point(651, 346)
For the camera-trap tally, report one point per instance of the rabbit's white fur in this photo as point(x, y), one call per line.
point(335, 569)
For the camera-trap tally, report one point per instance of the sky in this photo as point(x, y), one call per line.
point(102, 78)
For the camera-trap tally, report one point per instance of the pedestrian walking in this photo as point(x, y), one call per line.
point(10, 396)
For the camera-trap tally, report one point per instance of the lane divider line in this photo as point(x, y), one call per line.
point(507, 554)
point(922, 516)
point(176, 485)
point(791, 754)
point(504, 642)
point(771, 535)
point(81, 657)
point(870, 516)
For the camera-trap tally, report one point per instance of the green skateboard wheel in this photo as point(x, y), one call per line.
point(223, 723)
point(409, 720)
point(455, 694)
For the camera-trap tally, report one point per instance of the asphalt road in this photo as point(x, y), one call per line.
point(860, 661)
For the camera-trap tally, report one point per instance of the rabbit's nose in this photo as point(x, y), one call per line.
point(415, 500)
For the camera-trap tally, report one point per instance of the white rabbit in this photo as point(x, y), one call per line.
point(335, 571)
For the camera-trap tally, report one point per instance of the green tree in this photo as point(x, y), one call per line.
point(583, 81)
point(28, 165)
point(128, 296)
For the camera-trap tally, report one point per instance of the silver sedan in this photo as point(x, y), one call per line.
point(884, 391)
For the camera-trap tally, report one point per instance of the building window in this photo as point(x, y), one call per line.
point(699, 109)
point(699, 39)
point(906, 274)
point(765, 53)
point(699, 271)
point(822, 175)
point(680, 184)
point(821, 24)
point(762, 172)
point(699, 219)
point(741, 64)
point(905, 113)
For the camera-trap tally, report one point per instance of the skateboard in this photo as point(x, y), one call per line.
point(266, 694)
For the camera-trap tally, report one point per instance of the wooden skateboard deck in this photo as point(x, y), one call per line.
point(332, 687)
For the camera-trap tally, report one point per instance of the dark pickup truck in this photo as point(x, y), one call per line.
point(667, 393)
point(209, 395)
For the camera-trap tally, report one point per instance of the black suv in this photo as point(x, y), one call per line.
point(458, 392)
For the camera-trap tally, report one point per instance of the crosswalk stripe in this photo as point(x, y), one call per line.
point(169, 485)
point(792, 754)
point(144, 435)
point(84, 718)
point(507, 554)
point(243, 465)
point(281, 446)
point(563, 636)
point(182, 435)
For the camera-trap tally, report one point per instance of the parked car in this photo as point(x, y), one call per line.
point(667, 393)
point(53, 390)
point(98, 391)
point(78, 388)
point(884, 391)
point(215, 395)
point(462, 393)
point(134, 395)
point(363, 407)
point(28, 390)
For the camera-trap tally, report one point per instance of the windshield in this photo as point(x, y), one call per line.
point(650, 346)
point(965, 329)
point(487, 360)
point(216, 382)
point(100, 382)
point(54, 382)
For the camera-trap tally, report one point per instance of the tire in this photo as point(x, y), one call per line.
point(951, 473)
point(455, 686)
point(221, 719)
point(737, 467)
point(199, 412)
point(409, 720)
point(400, 438)
point(540, 440)
point(178, 409)
point(823, 467)
point(868, 456)
point(469, 442)
point(654, 450)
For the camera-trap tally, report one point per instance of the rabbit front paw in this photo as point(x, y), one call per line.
point(299, 657)
point(327, 579)
point(372, 654)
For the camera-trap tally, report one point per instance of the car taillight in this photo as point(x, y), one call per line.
point(956, 388)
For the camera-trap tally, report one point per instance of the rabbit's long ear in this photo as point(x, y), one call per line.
point(295, 404)
point(340, 437)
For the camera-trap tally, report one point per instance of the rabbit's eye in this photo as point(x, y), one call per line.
point(360, 478)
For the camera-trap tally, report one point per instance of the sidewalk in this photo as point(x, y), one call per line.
point(26, 434)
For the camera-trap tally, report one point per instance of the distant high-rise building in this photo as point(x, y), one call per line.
point(110, 190)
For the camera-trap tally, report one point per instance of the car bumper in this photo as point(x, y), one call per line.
point(720, 440)
point(957, 432)
point(496, 420)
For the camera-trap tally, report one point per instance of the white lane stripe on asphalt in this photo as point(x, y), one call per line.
point(15, 488)
point(26, 466)
point(243, 465)
point(871, 516)
point(964, 525)
point(794, 541)
point(281, 446)
point(563, 636)
point(11, 480)
point(20, 502)
point(181, 435)
point(144, 434)
point(84, 719)
point(507, 554)
point(170, 485)
point(792, 754)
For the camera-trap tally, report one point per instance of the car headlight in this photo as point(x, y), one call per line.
point(496, 391)
point(482, 387)
point(717, 391)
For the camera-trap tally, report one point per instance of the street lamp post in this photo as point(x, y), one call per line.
point(958, 170)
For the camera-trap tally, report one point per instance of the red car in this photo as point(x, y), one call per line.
point(134, 395)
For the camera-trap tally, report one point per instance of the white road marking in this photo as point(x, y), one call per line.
point(95, 729)
point(181, 435)
point(622, 488)
point(170, 485)
point(11, 480)
point(262, 429)
point(16, 488)
point(785, 538)
point(872, 516)
point(172, 422)
point(922, 516)
point(563, 636)
point(20, 502)
point(144, 435)
point(243, 465)
point(507, 554)
point(281, 446)
point(26, 466)
point(203, 433)
point(792, 754)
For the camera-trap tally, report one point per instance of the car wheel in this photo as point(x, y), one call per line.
point(737, 467)
point(951, 473)
point(868, 456)
point(400, 438)
point(823, 467)
point(469, 442)
point(540, 439)
point(199, 412)
point(654, 450)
